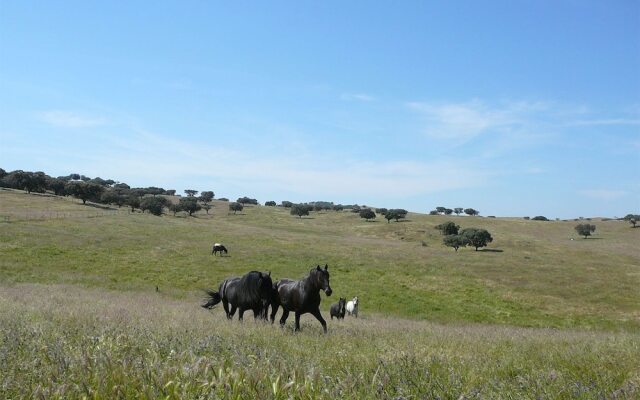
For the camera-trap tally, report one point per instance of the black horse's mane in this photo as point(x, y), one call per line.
point(250, 286)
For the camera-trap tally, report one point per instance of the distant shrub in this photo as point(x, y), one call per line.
point(367, 214)
point(585, 229)
point(286, 204)
point(491, 216)
point(434, 212)
point(301, 209)
point(223, 199)
point(235, 207)
point(381, 211)
point(540, 218)
point(338, 207)
point(527, 218)
point(270, 203)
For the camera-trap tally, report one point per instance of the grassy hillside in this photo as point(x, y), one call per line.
point(532, 274)
point(80, 317)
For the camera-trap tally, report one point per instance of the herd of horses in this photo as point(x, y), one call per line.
point(256, 291)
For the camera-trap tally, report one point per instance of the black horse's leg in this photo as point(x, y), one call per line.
point(274, 311)
point(225, 305)
point(316, 313)
point(297, 320)
point(241, 313)
point(285, 315)
point(233, 311)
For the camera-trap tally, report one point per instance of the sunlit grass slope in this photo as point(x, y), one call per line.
point(534, 275)
point(67, 342)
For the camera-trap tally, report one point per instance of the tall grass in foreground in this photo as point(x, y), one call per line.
point(67, 342)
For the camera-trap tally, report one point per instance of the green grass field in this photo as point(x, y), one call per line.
point(537, 315)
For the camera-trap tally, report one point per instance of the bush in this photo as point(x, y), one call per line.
point(585, 229)
point(540, 218)
point(270, 203)
point(367, 214)
point(235, 207)
point(300, 209)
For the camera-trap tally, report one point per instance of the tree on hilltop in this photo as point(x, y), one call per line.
point(458, 210)
point(471, 211)
point(190, 205)
point(206, 196)
point(191, 192)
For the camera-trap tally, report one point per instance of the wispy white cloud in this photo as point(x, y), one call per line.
point(70, 119)
point(610, 121)
point(462, 122)
point(357, 97)
point(603, 194)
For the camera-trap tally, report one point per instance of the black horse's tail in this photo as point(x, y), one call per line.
point(212, 299)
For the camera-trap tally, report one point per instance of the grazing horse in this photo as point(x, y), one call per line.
point(252, 291)
point(217, 247)
point(301, 296)
point(352, 307)
point(337, 310)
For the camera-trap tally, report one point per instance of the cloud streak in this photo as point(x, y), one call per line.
point(70, 119)
point(357, 97)
point(462, 122)
point(603, 194)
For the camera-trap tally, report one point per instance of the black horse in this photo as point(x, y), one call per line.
point(218, 248)
point(338, 309)
point(253, 291)
point(301, 296)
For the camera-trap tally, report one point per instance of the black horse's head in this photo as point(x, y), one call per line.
point(322, 278)
point(342, 303)
point(265, 284)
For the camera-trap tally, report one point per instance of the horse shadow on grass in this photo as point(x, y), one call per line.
point(492, 250)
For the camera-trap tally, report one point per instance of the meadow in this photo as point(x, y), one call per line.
point(535, 315)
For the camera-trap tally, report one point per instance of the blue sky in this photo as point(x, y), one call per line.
point(513, 108)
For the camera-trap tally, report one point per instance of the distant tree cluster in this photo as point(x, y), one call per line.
point(540, 218)
point(632, 218)
point(395, 213)
point(456, 238)
point(107, 191)
point(247, 200)
point(456, 210)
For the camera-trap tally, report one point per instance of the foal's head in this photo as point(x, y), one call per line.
point(321, 277)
